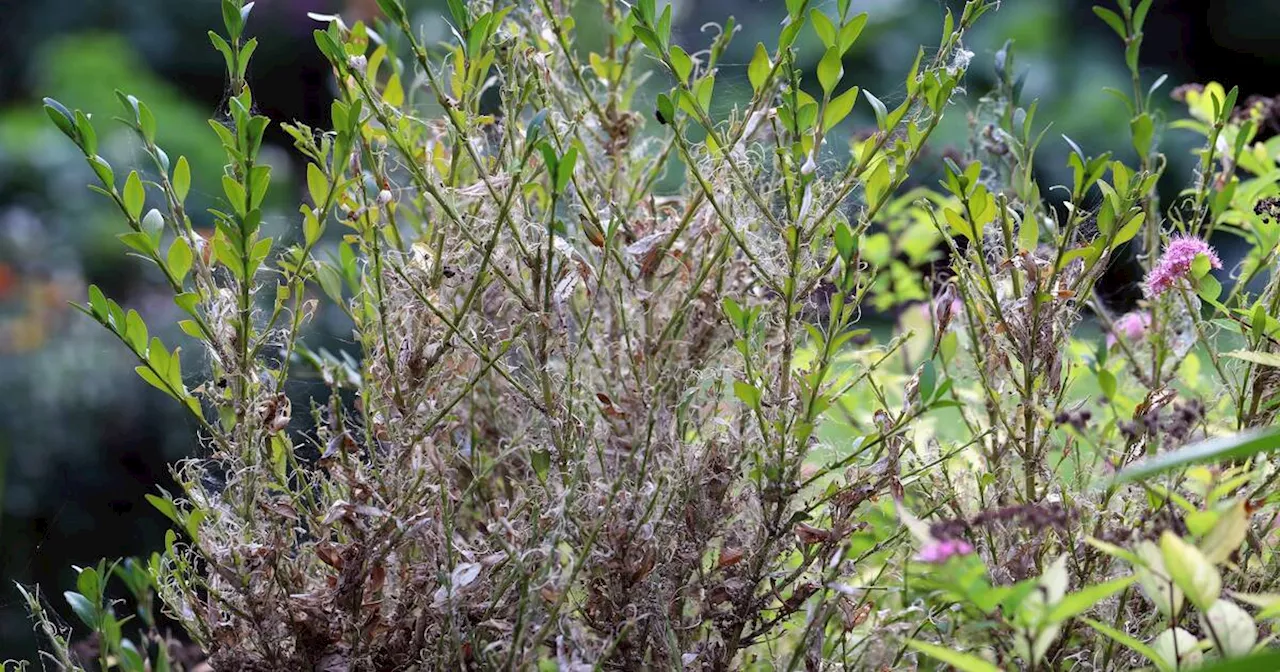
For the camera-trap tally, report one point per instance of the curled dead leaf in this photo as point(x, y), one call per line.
point(730, 557)
point(808, 534)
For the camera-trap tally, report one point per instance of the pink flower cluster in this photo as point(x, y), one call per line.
point(1176, 261)
point(938, 551)
point(1131, 327)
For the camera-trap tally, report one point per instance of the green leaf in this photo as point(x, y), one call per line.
point(965, 662)
point(1154, 576)
point(1200, 266)
point(231, 19)
point(839, 108)
point(80, 604)
point(824, 28)
point(648, 38)
point(748, 393)
point(704, 89)
point(1219, 449)
point(235, 194)
point(1112, 19)
point(881, 112)
point(1107, 383)
point(224, 253)
point(540, 460)
point(850, 32)
point(153, 225)
point(175, 365)
point(1231, 626)
point(1143, 130)
point(1190, 570)
point(1227, 534)
point(317, 185)
point(758, 70)
point(187, 301)
point(1140, 647)
point(564, 169)
point(1082, 600)
point(103, 170)
point(846, 245)
point(164, 506)
point(179, 259)
point(147, 123)
point(261, 180)
point(1129, 230)
point(666, 110)
point(154, 380)
point(1268, 604)
point(89, 583)
point(135, 332)
point(62, 118)
point(131, 658)
point(1178, 648)
point(957, 223)
point(1263, 358)
point(681, 63)
point(928, 381)
point(134, 196)
point(878, 183)
point(830, 70)
point(246, 53)
point(88, 137)
point(734, 312)
point(97, 302)
point(181, 178)
point(1264, 660)
point(1229, 105)
point(392, 9)
point(663, 28)
point(393, 94)
point(1140, 14)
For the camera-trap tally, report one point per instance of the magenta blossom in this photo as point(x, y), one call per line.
point(1176, 262)
point(1132, 326)
point(940, 550)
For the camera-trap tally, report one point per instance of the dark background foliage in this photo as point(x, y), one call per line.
point(82, 439)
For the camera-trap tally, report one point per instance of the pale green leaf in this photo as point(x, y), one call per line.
point(965, 662)
point(758, 70)
point(830, 70)
point(134, 195)
point(1263, 358)
point(1082, 600)
point(1218, 449)
point(181, 178)
point(1133, 643)
point(839, 108)
point(1190, 570)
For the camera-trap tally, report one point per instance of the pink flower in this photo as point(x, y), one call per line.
point(940, 550)
point(1132, 326)
point(1176, 262)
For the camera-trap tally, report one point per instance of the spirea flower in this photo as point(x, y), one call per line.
point(940, 550)
point(1175, 263)
point(1131, 327)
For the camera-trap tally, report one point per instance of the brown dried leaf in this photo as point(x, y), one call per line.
point(808, 534)
point(730, 557)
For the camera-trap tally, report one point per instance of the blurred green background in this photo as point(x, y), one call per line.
point(82, 439)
